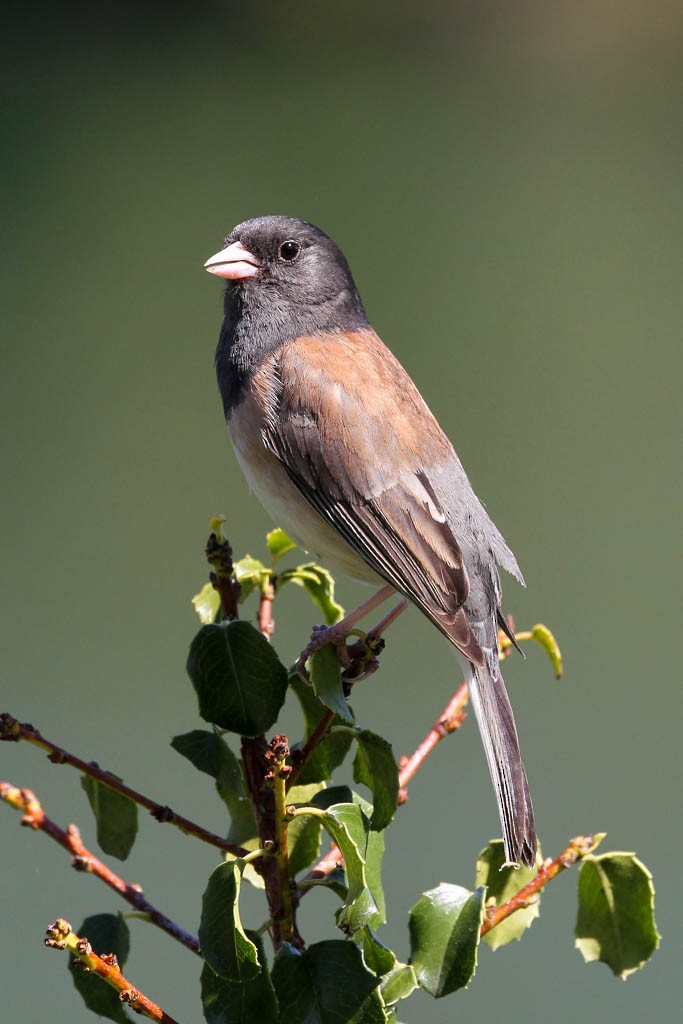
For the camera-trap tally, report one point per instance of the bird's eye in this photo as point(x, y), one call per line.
point(289, 251)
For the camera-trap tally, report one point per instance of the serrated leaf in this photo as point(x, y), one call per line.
point(444, 937)
point(303, 834)
point(347, 826)
point(398, 984)
point(251, 574)
point(107, 933)
point(209, 753)
point(319, 584)
point(332, 750)
point(325, 673)
point(502, 886)
point(206, 603)
point(279, 544)
point(615, 922)
point(116, 816)
point(375, 766)
point(240, 682)
point(225, 946)
point(326, 984)
point(377, 957)
point(239, 1002)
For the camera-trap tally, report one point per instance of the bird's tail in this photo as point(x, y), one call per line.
point(496, 723)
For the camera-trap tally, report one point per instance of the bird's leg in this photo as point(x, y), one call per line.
point(376, 632)
point(338, 633)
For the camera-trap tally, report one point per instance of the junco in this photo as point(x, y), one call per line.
point(342, 450)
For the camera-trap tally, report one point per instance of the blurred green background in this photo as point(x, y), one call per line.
point(506, 182)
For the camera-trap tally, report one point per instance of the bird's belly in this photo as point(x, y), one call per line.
point(282, 499)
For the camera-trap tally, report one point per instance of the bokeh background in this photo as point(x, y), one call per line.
point(506, 181)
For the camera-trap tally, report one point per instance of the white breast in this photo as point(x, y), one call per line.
point(281, 498)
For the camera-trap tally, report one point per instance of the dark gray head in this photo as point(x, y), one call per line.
point(285, 278)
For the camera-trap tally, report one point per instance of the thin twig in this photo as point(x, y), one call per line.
point(60, 936)
point(12, 730)
point(578, 847)
point(450, 719)
point(278, 772)
point(300, 757)
point(265, 610)
point(34, 817)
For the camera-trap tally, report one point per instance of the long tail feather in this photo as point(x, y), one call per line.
point(496, 723)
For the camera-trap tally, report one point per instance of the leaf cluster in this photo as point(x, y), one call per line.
point(241, 686)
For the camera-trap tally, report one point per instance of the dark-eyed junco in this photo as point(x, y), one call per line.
point(339, 445)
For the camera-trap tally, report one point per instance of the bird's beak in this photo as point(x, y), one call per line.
point(234, 263)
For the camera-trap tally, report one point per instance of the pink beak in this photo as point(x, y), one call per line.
point(234, 263)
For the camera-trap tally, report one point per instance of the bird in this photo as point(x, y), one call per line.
point(341, 449)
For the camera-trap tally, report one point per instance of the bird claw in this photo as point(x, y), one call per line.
point(358, 660)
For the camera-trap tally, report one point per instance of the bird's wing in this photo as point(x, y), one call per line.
point(363, 448)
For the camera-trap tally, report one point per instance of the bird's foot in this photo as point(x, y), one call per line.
point(358, 660)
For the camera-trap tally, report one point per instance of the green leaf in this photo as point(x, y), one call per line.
point(251, 574)
point(279, 544)
point(374, 765)
point(249, 872)
point(374, 855)
point(325, 673)
point(107, 933)
point(209, 753)
point(377, 957)
point(206, 603)
point(398, 984)
point(224, 944)
point(116, 816)
point(303, 834)
point(319, 584)
point(330, 753)
point(239, 1002)
point(347, 825)
point(240, 681)
point(615, 922)
point(325, 798)
point(502, 886)
point(374, 848)
point(444, 936)
point(326, 984)
point(542, 635)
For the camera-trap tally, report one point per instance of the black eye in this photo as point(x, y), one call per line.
point(289, 251)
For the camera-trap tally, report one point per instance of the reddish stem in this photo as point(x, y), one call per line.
point(34, 817)
point(450, 719)
point(10, 729)
point(578, 847)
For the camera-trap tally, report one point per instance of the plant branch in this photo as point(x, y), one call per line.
point(12, 730)
point(578, 847)
point(277, 776)
point(265, 609)
point(300, 757)
point(60, 936)
point(219, 556)
point(450, 719)
point(34, 817)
